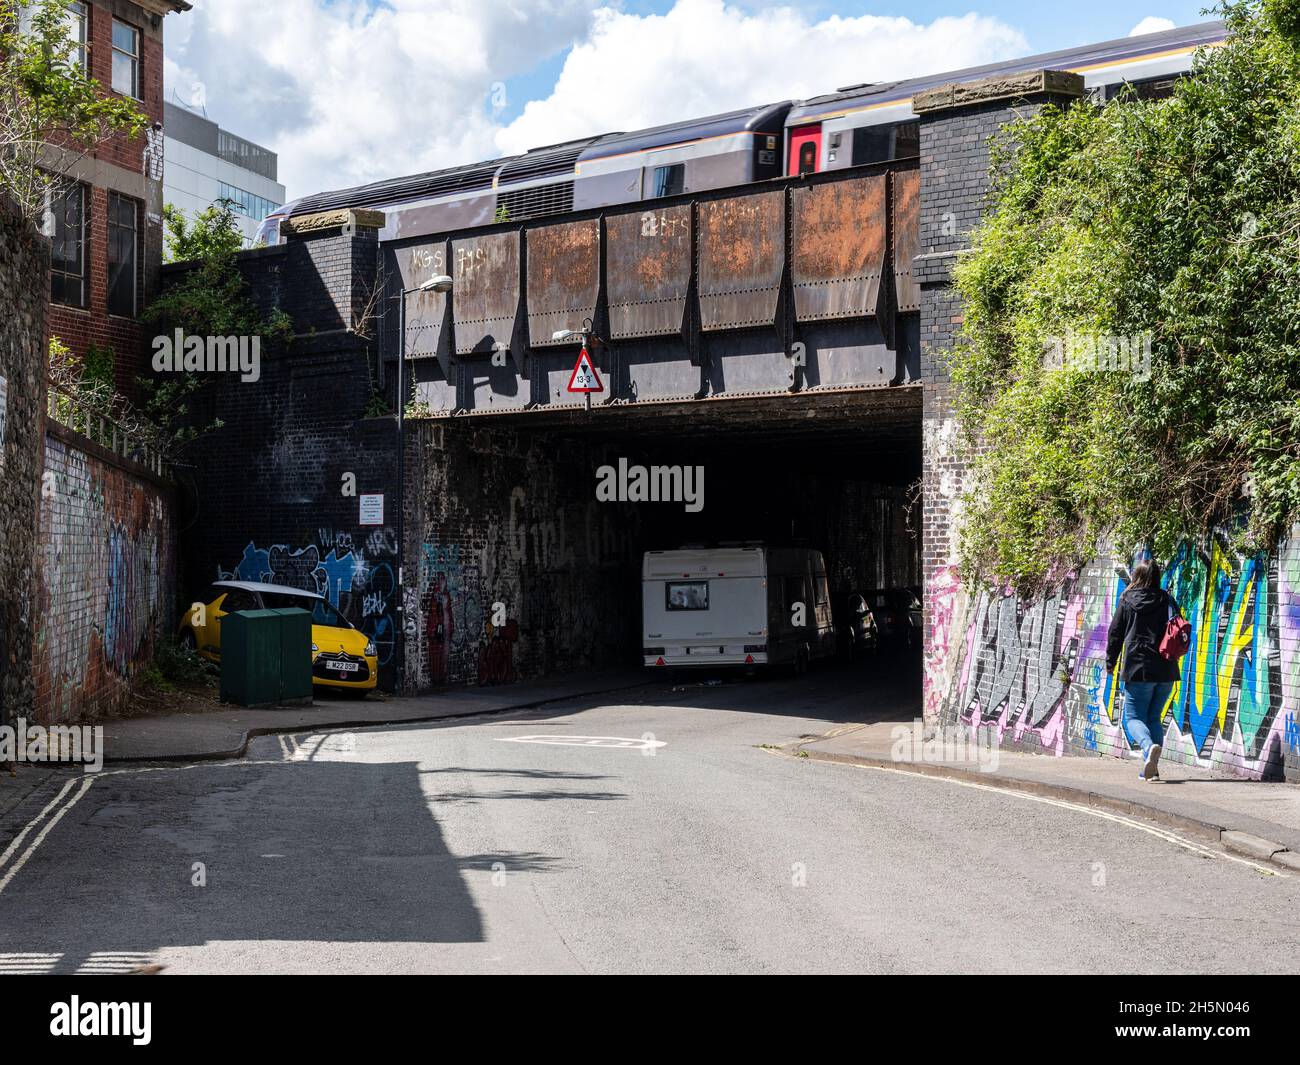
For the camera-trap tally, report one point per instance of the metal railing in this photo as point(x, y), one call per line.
point(101, 429)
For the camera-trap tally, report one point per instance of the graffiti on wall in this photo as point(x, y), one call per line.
point(105, 583)
point(1035, 671)
point(356, 577)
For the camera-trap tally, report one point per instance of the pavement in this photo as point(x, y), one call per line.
point(1254, 818)
point(219, 734)
point(672, 829)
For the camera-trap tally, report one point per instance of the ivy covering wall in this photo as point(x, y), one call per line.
point(1128, 371)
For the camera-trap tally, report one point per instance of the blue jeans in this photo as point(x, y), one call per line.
point(1144, 700)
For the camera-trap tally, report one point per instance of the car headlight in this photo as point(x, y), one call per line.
point(314, 648)
point(371, 649)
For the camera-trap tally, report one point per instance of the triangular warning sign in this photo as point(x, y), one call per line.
point(585, 378)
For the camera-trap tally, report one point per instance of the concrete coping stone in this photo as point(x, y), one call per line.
point(343, 218)
point(998, 87)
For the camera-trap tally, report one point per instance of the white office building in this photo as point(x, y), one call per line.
point(203, 164)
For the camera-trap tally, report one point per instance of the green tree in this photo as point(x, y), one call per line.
point(51, 111)
point(1173, 222)
point(212, 234)
point(211, 298)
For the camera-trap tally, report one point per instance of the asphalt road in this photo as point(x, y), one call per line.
point(651, 835)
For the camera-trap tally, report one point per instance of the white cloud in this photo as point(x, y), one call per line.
point(1151, 24)
point(348, 91)
point(703, 57)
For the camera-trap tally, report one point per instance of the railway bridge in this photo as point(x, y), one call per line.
point(784, 339)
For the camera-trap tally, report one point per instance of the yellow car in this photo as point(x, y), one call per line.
point(342, 656)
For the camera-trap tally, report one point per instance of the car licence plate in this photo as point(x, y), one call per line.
point(345, 667)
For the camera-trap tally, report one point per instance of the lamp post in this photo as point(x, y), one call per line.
point(437, 283)
point(586, 334)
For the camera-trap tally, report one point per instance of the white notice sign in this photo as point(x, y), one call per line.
point(372, 509)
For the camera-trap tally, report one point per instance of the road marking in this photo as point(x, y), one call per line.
point(620, 742)
point(284, 747)
point(18, 842)
point(40, 838)
point(20, 964)
point(1105, 815)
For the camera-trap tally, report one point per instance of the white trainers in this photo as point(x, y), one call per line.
point(1150, 770)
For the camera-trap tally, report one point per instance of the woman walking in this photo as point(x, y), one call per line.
point(1138, 626)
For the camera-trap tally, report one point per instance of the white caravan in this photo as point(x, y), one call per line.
point(735, 606)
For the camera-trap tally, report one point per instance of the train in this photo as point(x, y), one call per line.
point(853, 126)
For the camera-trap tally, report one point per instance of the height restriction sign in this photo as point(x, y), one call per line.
point(585, 378)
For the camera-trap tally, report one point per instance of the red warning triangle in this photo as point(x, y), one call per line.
point(584, 377)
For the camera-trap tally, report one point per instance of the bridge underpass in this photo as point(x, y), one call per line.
point(506, 518)
point(768, 335)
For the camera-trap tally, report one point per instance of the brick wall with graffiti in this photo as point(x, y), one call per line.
point(517, 570)
point(354, 568)
point(106, 577)
point(1035, 672)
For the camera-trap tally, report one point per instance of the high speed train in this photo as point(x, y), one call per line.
point(854, 125)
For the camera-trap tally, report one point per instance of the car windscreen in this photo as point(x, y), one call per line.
point(321, 612)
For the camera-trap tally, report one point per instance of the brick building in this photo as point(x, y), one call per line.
point(106, 224)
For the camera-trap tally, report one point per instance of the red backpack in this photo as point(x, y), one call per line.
point(1178, 636)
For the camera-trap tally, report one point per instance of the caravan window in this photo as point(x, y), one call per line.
point(683, 595)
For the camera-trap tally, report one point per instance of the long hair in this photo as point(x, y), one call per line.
point(1146, 574)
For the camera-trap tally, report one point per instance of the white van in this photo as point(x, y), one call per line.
point(745, 605)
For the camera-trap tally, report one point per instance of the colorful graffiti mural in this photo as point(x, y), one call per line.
point(359, 581)
point(1035, 671)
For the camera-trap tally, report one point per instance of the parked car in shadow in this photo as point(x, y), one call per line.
point(855, 625)
point(898, 614)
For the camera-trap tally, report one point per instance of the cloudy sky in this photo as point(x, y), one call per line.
point(349, 91)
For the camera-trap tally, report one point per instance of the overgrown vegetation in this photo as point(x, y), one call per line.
point(51, 111)
point(211, 299)
point(1172, 222)
point(175, 664)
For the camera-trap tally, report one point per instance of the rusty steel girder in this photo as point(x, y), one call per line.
point(742, 258)
point(907, 237)
point(838, 248)
point(648, 271)
point(428, 321)
point(487, 292)
point(563, 279)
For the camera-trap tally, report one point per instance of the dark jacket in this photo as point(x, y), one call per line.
point(1138, 626)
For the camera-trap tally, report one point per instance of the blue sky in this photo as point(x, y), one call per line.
point(348, 91)
point(1046, 27)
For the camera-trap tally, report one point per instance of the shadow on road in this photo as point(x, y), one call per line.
point(881, 687)
point(331, 851)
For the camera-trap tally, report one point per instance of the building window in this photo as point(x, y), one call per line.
point(76, 20)
point(126, 59)
point(122, 255)
point(77, 31)
point(247, 204)
point(670, 180)
point(69, 258)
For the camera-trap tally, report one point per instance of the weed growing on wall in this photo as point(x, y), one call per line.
point(1129, 364)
